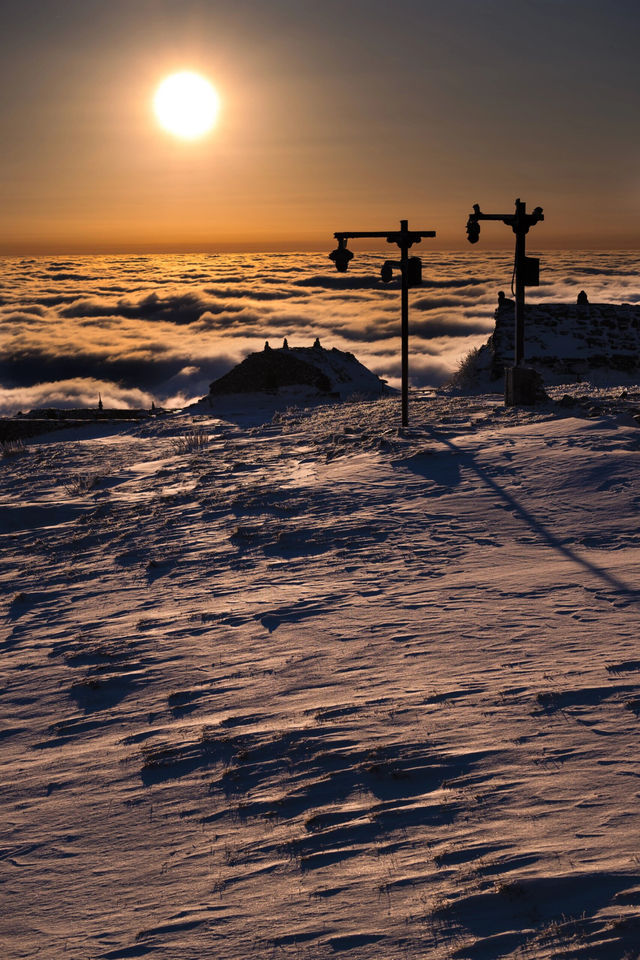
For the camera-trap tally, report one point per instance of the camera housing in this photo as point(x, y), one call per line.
point(473, 230)
point(341, 256)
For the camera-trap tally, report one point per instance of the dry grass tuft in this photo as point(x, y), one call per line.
point(466, 375)
point(193, 441)
point(13, 448)
point(82, 483)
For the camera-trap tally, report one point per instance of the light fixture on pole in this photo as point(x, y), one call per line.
point(410, 273)
point(520, 382)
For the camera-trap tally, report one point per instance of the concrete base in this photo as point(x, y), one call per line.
point(522, 385)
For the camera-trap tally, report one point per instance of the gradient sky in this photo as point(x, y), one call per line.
point(336, 115)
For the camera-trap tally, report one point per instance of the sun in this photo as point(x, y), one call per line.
point(186, 105)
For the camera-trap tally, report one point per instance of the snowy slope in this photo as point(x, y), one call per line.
point(308, 688)
point(343, 370)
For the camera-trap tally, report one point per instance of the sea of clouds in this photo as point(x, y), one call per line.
point(143, 329)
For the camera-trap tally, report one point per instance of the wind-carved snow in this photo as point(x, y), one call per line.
point(310, 687)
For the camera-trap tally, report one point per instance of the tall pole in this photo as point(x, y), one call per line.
point(520, 228)
point(404, 239)
point(404, 328)
point(520, 385)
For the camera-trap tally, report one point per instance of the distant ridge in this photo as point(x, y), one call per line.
point(48, 419)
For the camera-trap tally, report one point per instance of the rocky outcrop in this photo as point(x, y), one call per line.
point(269, 371)
point(564, 342)
point(314, 370)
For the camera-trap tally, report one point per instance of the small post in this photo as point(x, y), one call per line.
point(520, 277)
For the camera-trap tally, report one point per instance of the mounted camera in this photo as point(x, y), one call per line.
point(473, 230)
point(341, 256)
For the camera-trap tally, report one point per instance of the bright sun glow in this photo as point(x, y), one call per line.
point(186, 105)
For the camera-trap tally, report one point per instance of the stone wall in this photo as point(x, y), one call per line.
point(568, 341)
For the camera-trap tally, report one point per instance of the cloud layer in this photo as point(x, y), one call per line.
point(138, 329)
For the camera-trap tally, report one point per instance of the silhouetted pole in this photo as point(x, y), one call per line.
point(520, 263)
point(526, 272)
point(410, 274)
point(404, 325)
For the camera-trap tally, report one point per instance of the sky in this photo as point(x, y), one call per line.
point(334, 116)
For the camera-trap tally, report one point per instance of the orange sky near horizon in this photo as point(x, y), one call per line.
point(330, 119)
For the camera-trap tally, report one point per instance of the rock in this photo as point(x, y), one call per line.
point(564, 342)
point(321, 372)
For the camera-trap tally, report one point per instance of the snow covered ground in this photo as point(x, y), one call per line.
point(295, 685)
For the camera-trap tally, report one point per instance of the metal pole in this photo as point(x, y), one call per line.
point(404, 330)
point(520, 228)
point(404, 239)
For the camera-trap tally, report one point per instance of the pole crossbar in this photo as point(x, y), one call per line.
point(392, 237)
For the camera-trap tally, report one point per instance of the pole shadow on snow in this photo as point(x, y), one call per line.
point(630, 594)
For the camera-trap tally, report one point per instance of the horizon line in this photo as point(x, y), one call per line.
point(18, 251)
